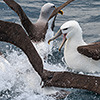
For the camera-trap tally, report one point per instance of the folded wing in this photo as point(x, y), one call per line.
point(91, 50)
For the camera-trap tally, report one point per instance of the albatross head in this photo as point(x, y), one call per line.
point(47, 10)
point(70, 29)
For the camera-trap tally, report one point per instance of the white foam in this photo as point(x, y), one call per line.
point(21, 76)
point(43, 48)
point(5, 74)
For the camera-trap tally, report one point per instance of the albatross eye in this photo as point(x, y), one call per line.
point(53, 7)
point(65, 29)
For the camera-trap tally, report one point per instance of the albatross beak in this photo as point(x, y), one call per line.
point(63, 42)
point(59, 33)
point(61, 12)
point(56, 36)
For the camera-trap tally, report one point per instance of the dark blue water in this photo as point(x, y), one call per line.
point(86, 12)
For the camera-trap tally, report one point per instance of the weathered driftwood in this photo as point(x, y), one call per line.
point(14, 34)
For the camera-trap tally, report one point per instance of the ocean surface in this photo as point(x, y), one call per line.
point(18, 81)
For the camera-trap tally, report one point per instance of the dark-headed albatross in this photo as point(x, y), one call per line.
point(78, 55)
point(40, 31)
point(44, 29)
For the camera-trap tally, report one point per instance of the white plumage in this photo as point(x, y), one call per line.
point(72, 34)
point(74, 59)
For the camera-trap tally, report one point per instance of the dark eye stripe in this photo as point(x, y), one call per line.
point(65, 29)
point(52, 6)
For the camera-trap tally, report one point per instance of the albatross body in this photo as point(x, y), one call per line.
point(44, 30)
point(74, 44)
point(38, 32)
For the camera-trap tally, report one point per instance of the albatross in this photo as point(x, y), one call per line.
point(79, 55)
point(44, 30)
point(40, 31)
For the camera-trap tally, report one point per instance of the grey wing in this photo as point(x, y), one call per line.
point(15, 34)
point(27, 24)
point(91, 50)
point(12, 33)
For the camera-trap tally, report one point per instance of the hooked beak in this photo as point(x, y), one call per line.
point(56, 36)
point(59, 33)
point(61, 12)
point(55, 12)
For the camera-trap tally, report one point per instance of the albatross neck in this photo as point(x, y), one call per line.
point(75, 41)
point(42, 19)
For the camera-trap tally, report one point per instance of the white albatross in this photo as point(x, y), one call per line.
point(78, 55)
point(42, 29)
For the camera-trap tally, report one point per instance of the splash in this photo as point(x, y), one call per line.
point(18, 79)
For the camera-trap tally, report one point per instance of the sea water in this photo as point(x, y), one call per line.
point(19, 81)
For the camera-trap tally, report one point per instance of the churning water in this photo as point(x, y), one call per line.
point(18, 80)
